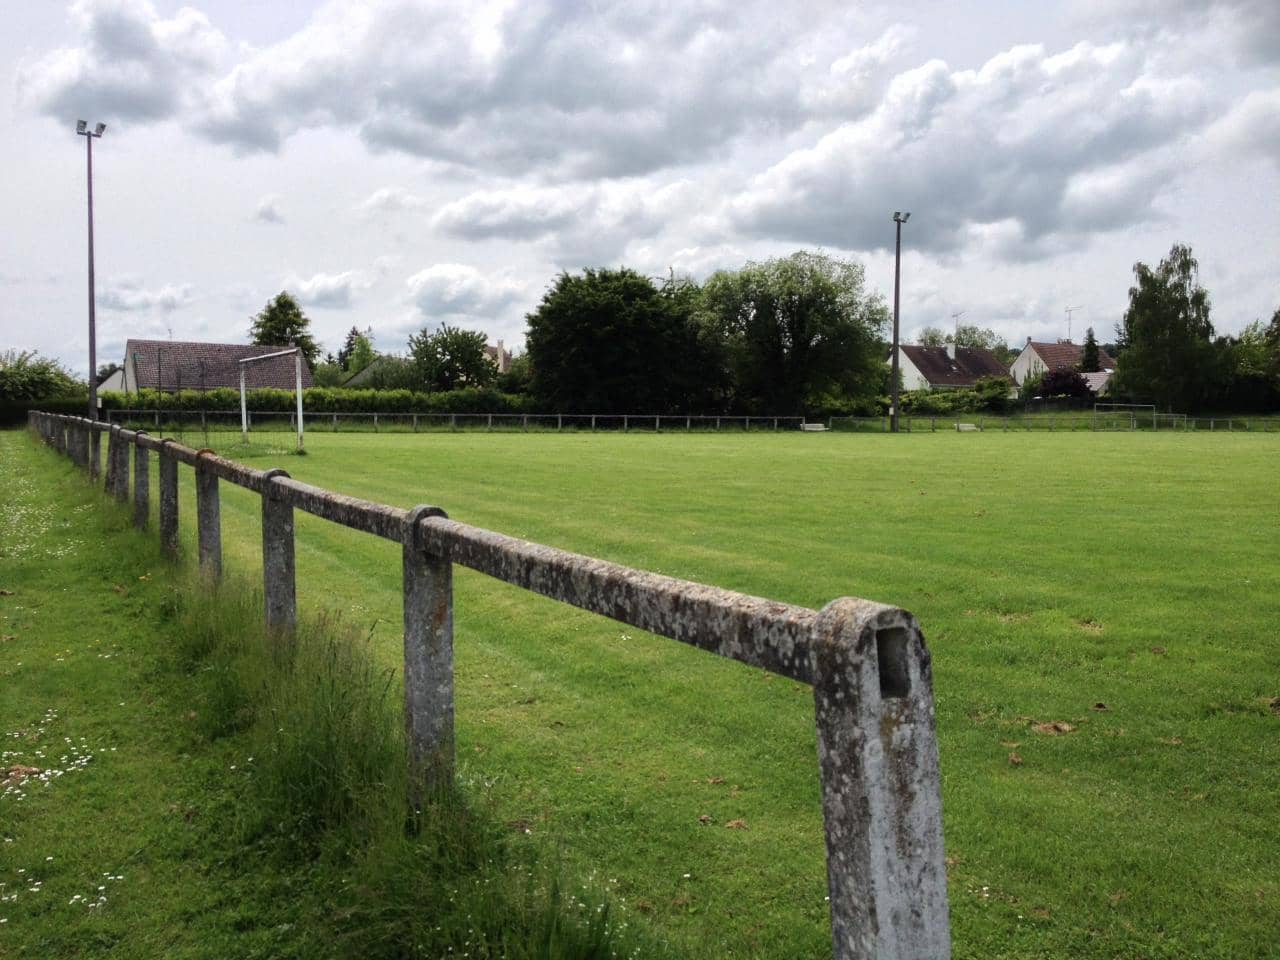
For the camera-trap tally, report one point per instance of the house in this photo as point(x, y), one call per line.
point(113, 382)
point(500, 356)
point(181, 365)
point(946, 368)
point(1037, 358)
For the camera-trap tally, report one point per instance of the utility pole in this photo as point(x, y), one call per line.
point(82, 128)
point(899, 218)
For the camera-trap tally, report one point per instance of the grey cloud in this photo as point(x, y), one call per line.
point(615, 90)
point(1042, 144)
point(268, 211)
point(131, 64)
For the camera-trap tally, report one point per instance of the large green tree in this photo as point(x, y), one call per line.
point(450, 358)
point(1167, 338)
point(25, 375)
point(1090, 359)
point(282, 323)
point(610, 341)
point(797, 328)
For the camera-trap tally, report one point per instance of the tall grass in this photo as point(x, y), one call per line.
point(325, 791)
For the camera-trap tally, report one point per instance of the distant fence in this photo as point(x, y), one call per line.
point(422, 422)
point(867, 662)
point(1062, 423)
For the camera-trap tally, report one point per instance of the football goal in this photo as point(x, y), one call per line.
point(1131, 409)
point(244, 407)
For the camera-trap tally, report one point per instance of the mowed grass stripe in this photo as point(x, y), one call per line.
point(1044, 569)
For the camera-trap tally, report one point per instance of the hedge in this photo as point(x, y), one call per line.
point(323, 400)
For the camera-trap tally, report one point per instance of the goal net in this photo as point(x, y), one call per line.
point(246, 365)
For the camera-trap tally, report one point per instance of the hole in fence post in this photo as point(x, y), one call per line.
point(881, 794)
point(891, 661)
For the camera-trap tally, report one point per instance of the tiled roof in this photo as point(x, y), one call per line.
point(1066, 356)
point(179, 365)
point(970, 365)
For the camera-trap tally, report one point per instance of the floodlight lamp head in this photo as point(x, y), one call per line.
point(81, 126)
point(897, 216)
point(97, 132)
point(905, 216)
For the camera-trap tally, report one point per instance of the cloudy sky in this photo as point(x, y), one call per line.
point(402, 163)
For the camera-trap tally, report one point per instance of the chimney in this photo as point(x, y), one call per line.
point(951, 350)
point(1028, 340)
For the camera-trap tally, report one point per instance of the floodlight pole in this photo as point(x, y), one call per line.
point(899, 218)
point(82, 129)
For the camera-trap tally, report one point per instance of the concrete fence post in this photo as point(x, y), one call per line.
point(208, 520)
point(122, 468)
point(82, 442)
point(428, 656)
point(168, 501)
point(881, 796)
point(95, 452)
point(279, 584)
point(141, 484)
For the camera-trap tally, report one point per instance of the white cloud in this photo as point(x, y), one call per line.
point(332, 290)
point(389, 200)
point(455, 289)
point(128, 295)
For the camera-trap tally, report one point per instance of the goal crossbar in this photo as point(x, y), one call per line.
point(297, 374)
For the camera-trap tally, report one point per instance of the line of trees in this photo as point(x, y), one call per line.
point(1170, 355)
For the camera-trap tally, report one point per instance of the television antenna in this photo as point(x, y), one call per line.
point(1069, 311)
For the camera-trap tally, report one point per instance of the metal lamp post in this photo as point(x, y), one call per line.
point(899, 218)
point(82, 128)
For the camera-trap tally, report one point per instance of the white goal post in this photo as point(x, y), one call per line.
point(1131, 407)
point(297, 371)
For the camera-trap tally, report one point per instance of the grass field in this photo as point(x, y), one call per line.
point(1125, 585)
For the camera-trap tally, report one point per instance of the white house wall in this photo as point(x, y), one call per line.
point(1027, 365)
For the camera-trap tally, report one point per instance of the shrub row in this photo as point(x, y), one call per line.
point(14, 412)
point(324, 400)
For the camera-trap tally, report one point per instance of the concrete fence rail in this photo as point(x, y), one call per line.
point(866, 662)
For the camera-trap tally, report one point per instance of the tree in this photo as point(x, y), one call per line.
point(25, 375)
point(1090, 362)
point(451, 358)
point(362, 354)
point(344, 352)
point(968, 335)
point(1166, 334)
point(282, 323)
point(609, 341)
point(796, 328)
point(1064, 383)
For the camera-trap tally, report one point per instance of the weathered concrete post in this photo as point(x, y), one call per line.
point(278, 583)
point(122, 467)
point(428, 657)
point(168, 500)
point(95, 452)
point(141, 483)
point(208, 520)
point(112, 460)
point(881, 797)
